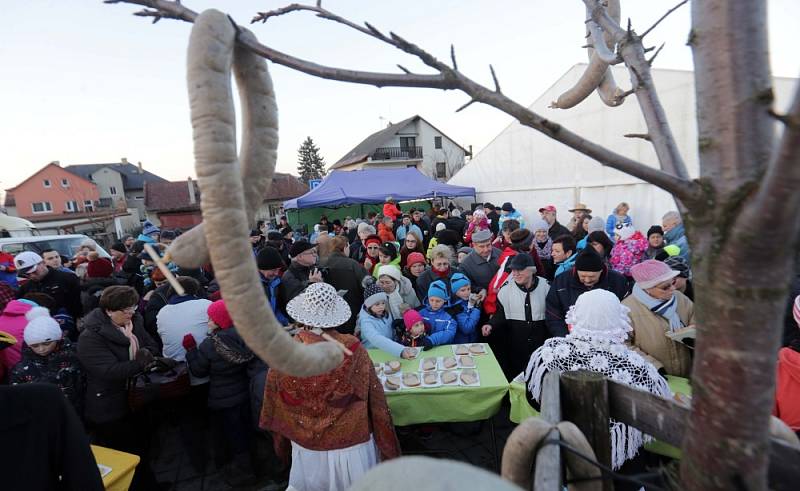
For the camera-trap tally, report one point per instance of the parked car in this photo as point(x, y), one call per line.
point(66, 245)
point(16, 227)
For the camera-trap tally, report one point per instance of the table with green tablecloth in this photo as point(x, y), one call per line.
point(450, 404)
point(520, 410)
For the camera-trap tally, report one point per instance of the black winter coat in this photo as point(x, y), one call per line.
point(91, 290)
point(60, 368)
point(557, 230)
point(566, 288)
point(295, 280)
point(65, 288)
point(228, 363)
point(103, 351)
point(346, 274)
point(44, 445)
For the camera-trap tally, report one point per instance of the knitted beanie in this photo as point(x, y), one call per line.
point(414, 258)
point(650, 273)
point(300, 247)
point(41, 327)
point(457, 281)
point(539, 224)
point(655, 229)
point(680, 265)
point(438, 289)
point(440, 226)
point(373, 239)
point(149, 228)
point(99, 268)
point(269, 258)
point(390, 270)
point(373, 294)
point(522, 238)
point(589, 261)
point(411, 317)
point(597, 224)
point(481, 236)
point(218, 312)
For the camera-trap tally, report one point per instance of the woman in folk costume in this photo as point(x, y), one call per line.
point(335, 426)
point(600, 325)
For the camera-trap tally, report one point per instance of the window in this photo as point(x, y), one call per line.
point(441, 170)
point(112, 190)
point(437, 142)
point(408, 142)
point(72, 206)
point(46, 183)
point(64, 183)
point(42, 207)
point(88, 205)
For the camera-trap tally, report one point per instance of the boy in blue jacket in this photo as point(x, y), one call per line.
point(443, 327)
point(463, 310)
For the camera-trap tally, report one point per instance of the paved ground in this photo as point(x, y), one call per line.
point(469, 442)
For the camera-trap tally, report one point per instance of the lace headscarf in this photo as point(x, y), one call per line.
point(600, 326)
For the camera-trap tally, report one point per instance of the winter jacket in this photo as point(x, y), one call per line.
point(466, 318)
point(557, 230)
point(648, 336)
point(60, 368)
point(482, 224)
point(224, 359)
point(391, 210)
point(443, 326)
point(377, 268)
point(514, 215)
point(402, 231)
point(45, 446)
point(787, 388)
point(295, 279)
point(429, 276)
point(65, 288)
point(377, 332)
point(480, 271)
point(103, 352)
point(677, 236)
point(612, 221)
point(158, 300)
point(457, 225)
point(13, 322)
point(9, 274)
point(385, 233)
point(565, 290)
point(502, 275)
point(276, 297)
point(91, 289)
point(628, 253)
point(181, 316)
point(520, 319)
point(494, 222)
point(346, 274)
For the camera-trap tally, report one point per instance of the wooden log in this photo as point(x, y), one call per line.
point(548, 472)
point(667, 421)
point(584, 401)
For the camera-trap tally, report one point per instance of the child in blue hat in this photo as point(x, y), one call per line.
point(434, 313)
point(463, 309)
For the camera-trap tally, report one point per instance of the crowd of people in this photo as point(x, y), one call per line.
point(594, 293)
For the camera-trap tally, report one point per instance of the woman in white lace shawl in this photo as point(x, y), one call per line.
point(599, 326)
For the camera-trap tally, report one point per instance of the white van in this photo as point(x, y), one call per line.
point(16, 227)
point(66, 245)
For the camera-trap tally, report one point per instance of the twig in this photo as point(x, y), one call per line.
point(652, 58)
point(626, 93)
point(673, 9)
point(406, 70)
point(164, 269)
point(328, 337)
point(465, 105)
point(496, 82)
point(643, 136)
point(453, 57)
point(785, 118)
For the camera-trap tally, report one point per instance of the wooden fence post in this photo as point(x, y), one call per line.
point(584, 401)
point(547, 476)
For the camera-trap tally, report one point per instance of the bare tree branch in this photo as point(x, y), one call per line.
point(406, 70)
point(465, 105)
point(673, 9)
point(453, 57)
point(632, 51)
point(447, 79)
point(652, 58)
point(786, 119)
point(494, 77)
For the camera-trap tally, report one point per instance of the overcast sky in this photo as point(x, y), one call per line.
point(84, 82)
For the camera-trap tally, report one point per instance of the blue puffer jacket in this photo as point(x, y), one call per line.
point(514, 215)
point(376, 332)
point(466, 318)
point(443, 327)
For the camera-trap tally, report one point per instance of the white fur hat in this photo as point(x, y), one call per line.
point(41, 327)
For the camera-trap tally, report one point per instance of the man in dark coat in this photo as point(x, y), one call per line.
point(65, 288)
point(303, 269)
point(481, 264)
point(589, 273)
point(556, 229)
point(456, 223)
point(346, 274)
point(494, 218)
point(270, 265)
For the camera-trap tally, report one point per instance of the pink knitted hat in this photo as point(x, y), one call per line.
point(411, 317)
point(650, 273)
point(218, 312)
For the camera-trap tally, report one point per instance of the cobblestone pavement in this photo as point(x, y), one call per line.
point(467, 442)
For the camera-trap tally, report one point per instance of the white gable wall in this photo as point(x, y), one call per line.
point(531, 170)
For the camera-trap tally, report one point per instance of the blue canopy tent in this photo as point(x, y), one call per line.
point(341, 188)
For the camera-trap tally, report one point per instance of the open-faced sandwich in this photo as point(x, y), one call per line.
point(466, 361)
point(462, 349)
point(392, 382)
point(477, 349)
point(449, 362)
point(449, 377)
point(391, 367)
point(430, 378)
point(411, 379)
point(428, 364)
point(469, 377)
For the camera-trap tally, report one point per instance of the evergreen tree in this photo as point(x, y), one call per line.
point(310, 164)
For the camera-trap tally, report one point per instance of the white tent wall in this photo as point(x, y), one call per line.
point(531, 170)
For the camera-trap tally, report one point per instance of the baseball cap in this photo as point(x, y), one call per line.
point(25, 261)
point(547, 208)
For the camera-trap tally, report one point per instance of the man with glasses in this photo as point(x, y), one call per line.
point(658, 308)
point(405, 227)
point(302, 270)
point(64, 287)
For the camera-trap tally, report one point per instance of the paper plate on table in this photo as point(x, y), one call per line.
point(463, 383)
point(428, 366)
point(431, 379)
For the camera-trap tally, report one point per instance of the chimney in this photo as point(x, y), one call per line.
point(141, 171)
point(124, 160)
point(192, 197)
point(56, 162)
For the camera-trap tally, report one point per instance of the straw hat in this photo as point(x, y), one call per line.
point(580, 207)
point(319, 306)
